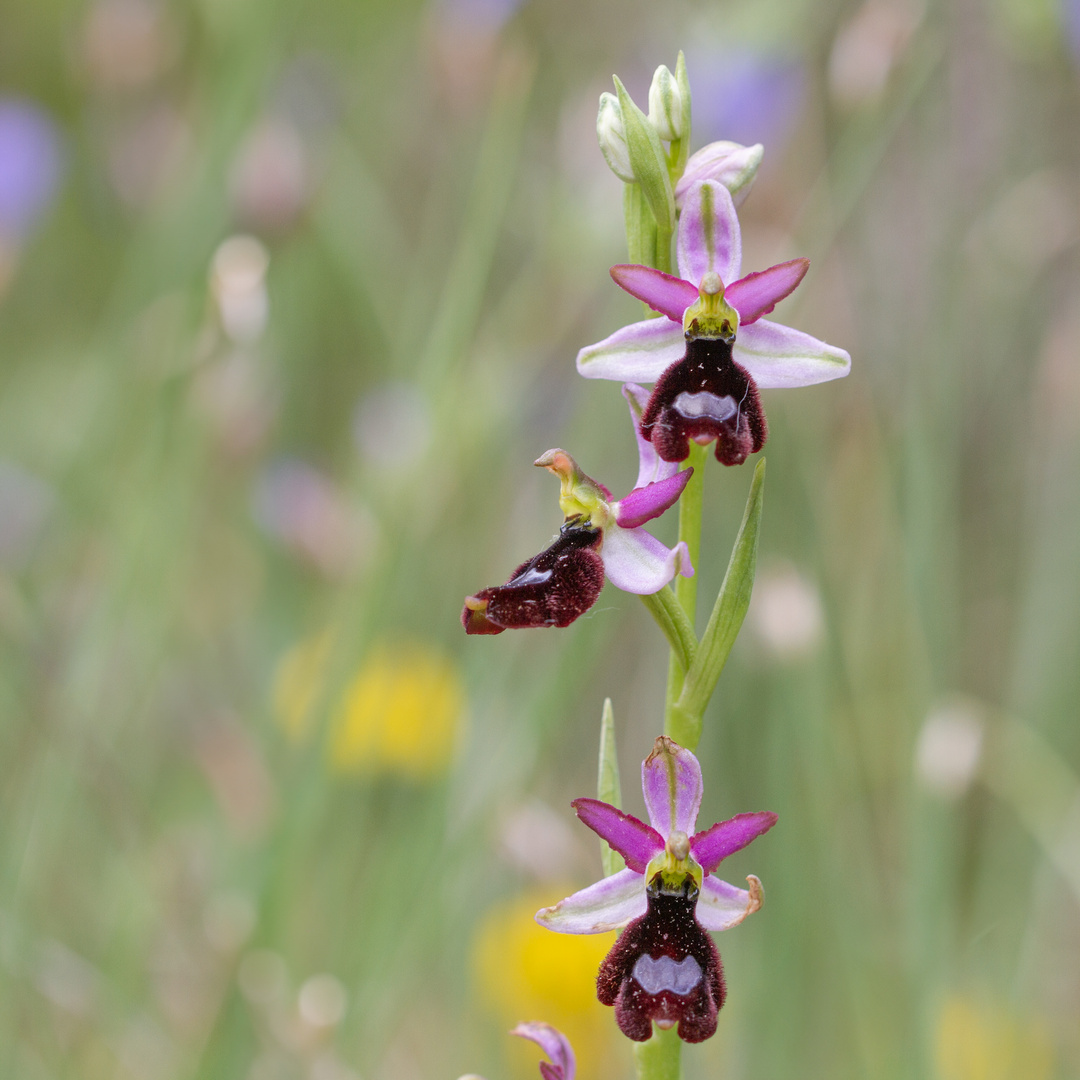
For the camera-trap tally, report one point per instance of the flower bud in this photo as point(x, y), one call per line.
point(732, 165)
point(665, 105)
point(611, 132)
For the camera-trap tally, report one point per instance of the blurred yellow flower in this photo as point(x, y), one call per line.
point(401, 712)
point(977, 1042)
point(524, 972)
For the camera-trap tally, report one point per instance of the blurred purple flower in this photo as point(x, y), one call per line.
point(746, 97)
point(30, 161)
point(305, 511)
point(25, 505)
point(1070, 19)
point(475, 14)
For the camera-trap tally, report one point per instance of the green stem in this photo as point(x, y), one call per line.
point(658, 1059)
point(663, 248)
point(671, 618)
point(686, 591)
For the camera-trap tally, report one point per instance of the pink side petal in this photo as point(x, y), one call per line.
point(554, 1043)
point(635, 841)
point(608, 904)
point(669, 295)
point(640, 352)
point(648, 502)
point(671, 783)
point(709, 236)
point(757, 294)
point(712, 845)
point(721, 906)
point(779, 357)
point(651, 466)
point(636, 562)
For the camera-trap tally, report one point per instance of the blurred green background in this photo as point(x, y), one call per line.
point(289, 300)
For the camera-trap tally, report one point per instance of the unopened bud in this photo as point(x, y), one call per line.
point(612, 135)
point(665, 105)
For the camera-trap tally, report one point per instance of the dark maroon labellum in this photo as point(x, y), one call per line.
point(664, 967)
point(705, 395)
point(551, 589)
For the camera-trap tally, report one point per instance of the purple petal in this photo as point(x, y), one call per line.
point(651, 467)
point(671, 782)
point(721, 906)
point(757, 294)
point(711, 846)
point(732, 165)
point(636, 562)
point(637, 353)
point(669, 295)
point(608, 904)
point(554, 1043)
point(635, 841)
point(779, 357)
point(709, 236)
point(648, 502)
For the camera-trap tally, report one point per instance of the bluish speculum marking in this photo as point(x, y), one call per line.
point(532, 576)
point(693, 406)
point(664, 973)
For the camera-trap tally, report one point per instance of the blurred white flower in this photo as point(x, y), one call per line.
point(540, 841)
point(238, 282)
point(949, 747)
point(392, 425)
point(785, 612)
point(868, 47)
point(127, 43)
point(322, 1001)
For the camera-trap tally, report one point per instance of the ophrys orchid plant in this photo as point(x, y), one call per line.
point(708, 353)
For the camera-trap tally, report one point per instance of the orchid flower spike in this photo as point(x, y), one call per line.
point(664, 967)
point(713, 351)
point(599, 536)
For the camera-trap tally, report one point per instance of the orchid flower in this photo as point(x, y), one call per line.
point(554, 1043)
point(664, 967)
point(713, 350)
point(557, 1047)
point(600, 536)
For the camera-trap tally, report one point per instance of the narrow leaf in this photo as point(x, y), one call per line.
point(608, 788)
point(729, 611)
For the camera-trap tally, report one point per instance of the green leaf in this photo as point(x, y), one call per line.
point(725, 621)
point(608, 788)
point(648, 160)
